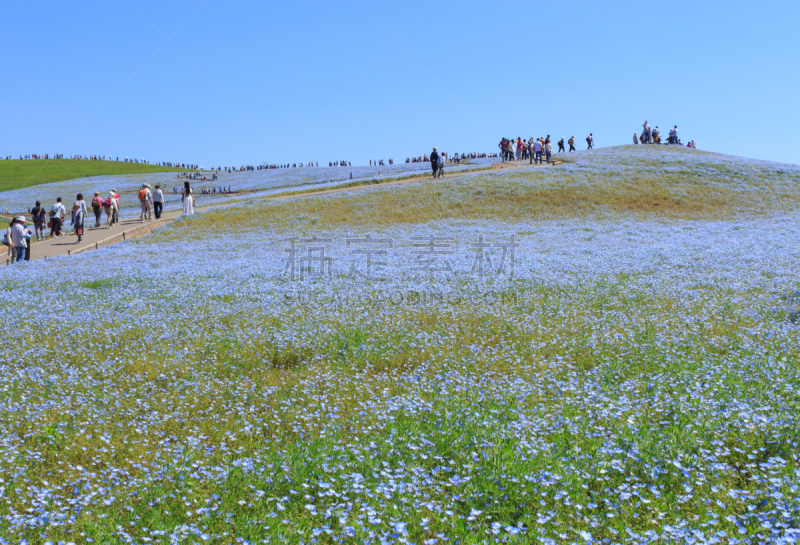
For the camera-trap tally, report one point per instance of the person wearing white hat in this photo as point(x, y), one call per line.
point(19, 239)
point(111, 207)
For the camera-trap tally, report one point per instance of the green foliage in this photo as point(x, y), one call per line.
point(16, 174)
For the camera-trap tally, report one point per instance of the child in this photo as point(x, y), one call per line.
point(77, 219)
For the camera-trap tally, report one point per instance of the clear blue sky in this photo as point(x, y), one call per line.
point(246, 82)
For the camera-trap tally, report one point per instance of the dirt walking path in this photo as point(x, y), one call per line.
point(96, 237)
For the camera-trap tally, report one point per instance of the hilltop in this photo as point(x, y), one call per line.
point(17, 174)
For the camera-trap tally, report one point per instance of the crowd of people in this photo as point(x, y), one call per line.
point(215, 190)
point(455, 158)
point(536, 150)
point(18, 237)
point(653, 136)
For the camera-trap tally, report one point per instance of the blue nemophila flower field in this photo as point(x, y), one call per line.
point(253, 183)
point(634, 380)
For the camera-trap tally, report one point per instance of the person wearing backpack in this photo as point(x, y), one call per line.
point(110, 206)
point(571, 143)
point(39, 215)
point(589, 141)
point(146, 202)
point(97, 208)
point(561, 145)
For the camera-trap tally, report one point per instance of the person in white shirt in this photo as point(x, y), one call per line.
point(635, 138)
point(57, 212)
point(537, 149)
point(18, 239)
point(158, 201)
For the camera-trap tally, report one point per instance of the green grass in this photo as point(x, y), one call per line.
point(16, 174)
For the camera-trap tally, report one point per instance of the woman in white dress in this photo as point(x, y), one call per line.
point(188, 199)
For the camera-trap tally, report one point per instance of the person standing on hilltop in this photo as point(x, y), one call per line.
point(187, 198)
point(435, 161)
point(537, 151)
point(635, 138)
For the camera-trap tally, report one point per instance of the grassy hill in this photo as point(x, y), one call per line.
point(16, 174)
point(633, 377)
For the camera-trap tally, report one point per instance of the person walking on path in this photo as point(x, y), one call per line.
point(79, 213)
point(548, 150)
point(39, 216)
point(97, 208)
point(158, 201)
point(111, 207)
point(187, 198)
point(561, 145)
point(590, 141)
point(435, 161)
point(441, 167)
point(57, 213)
point(146, 202)
point(115, 209)
point(18, 238)
point(8, 240)
point(571, 143)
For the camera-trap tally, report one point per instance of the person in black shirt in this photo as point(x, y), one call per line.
point(39, 220)
point(435, 161)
